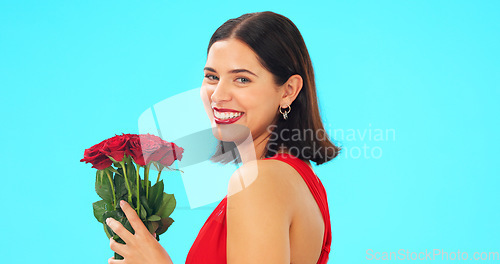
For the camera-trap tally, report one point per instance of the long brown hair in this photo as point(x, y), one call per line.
point(282, 51)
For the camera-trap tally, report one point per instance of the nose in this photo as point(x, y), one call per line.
point(221, 93)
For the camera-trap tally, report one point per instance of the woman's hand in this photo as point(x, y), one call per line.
point(141, 247)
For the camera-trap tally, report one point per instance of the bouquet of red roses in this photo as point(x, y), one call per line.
point(118, 161)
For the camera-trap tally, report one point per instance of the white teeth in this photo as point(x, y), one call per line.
point(226, 115)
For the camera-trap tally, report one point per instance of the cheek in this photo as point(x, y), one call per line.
point(206, 91)
point(205, 95)
point(261, 111)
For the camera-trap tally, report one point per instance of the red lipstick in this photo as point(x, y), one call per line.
point(228, 120)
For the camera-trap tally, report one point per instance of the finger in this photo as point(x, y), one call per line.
point(133, 218)
point(112, 260)
point(117, 247)
point(118, 228)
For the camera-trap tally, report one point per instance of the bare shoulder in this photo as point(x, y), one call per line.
point(269, 178)
point(259, 213)
point(267, 186)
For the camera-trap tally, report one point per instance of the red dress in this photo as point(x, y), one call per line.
point(210, 244)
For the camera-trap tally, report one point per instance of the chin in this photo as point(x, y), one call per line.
point(230, 132)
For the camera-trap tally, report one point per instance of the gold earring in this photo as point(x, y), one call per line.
point(285, 114)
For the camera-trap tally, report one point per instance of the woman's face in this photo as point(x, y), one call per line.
point(238, 92)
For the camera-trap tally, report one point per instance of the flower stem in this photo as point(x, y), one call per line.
point(122, 163)
point(138, 188)
point(112, 188)
point(146, 179)
point(159, 173)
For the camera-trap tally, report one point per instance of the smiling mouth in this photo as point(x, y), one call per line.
point(226, 117)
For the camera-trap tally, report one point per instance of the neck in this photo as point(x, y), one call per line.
point(252, 149)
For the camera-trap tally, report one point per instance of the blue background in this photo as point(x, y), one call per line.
point(73, 73)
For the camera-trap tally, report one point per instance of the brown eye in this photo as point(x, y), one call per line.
point(211, 77)
point(243, 80)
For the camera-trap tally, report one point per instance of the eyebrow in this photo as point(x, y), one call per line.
point(232, 71)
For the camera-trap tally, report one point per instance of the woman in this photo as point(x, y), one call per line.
point(259, 92)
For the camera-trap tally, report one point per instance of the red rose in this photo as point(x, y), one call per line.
point(178, 151)
point(135, 150)
point(168, 153)
point(142, 148)
point(116, 146)
point(156, 149)
point(175, 154)
point(149, 145)
point(96, 157)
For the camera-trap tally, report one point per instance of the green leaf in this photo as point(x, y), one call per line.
point(124, 221)
point(145, 204)
point(120, 187)
point(103, 186)
point(143, 187)
point(167, 205)
point(131, 176)
point(165, 223)
point(156, 196)
point(154, 218)
point(101, 207)
point(152, 226)
point(120, 217)
point(118, 256)
point(144, 213)
point(106, 230)
point(119, 240)
point(112, 169)
point(127, 159)
point(113, 214)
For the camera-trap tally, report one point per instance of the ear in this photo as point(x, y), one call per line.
point(291, 89)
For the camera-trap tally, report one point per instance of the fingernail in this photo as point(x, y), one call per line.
point(108, 220)
point(122, 202)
